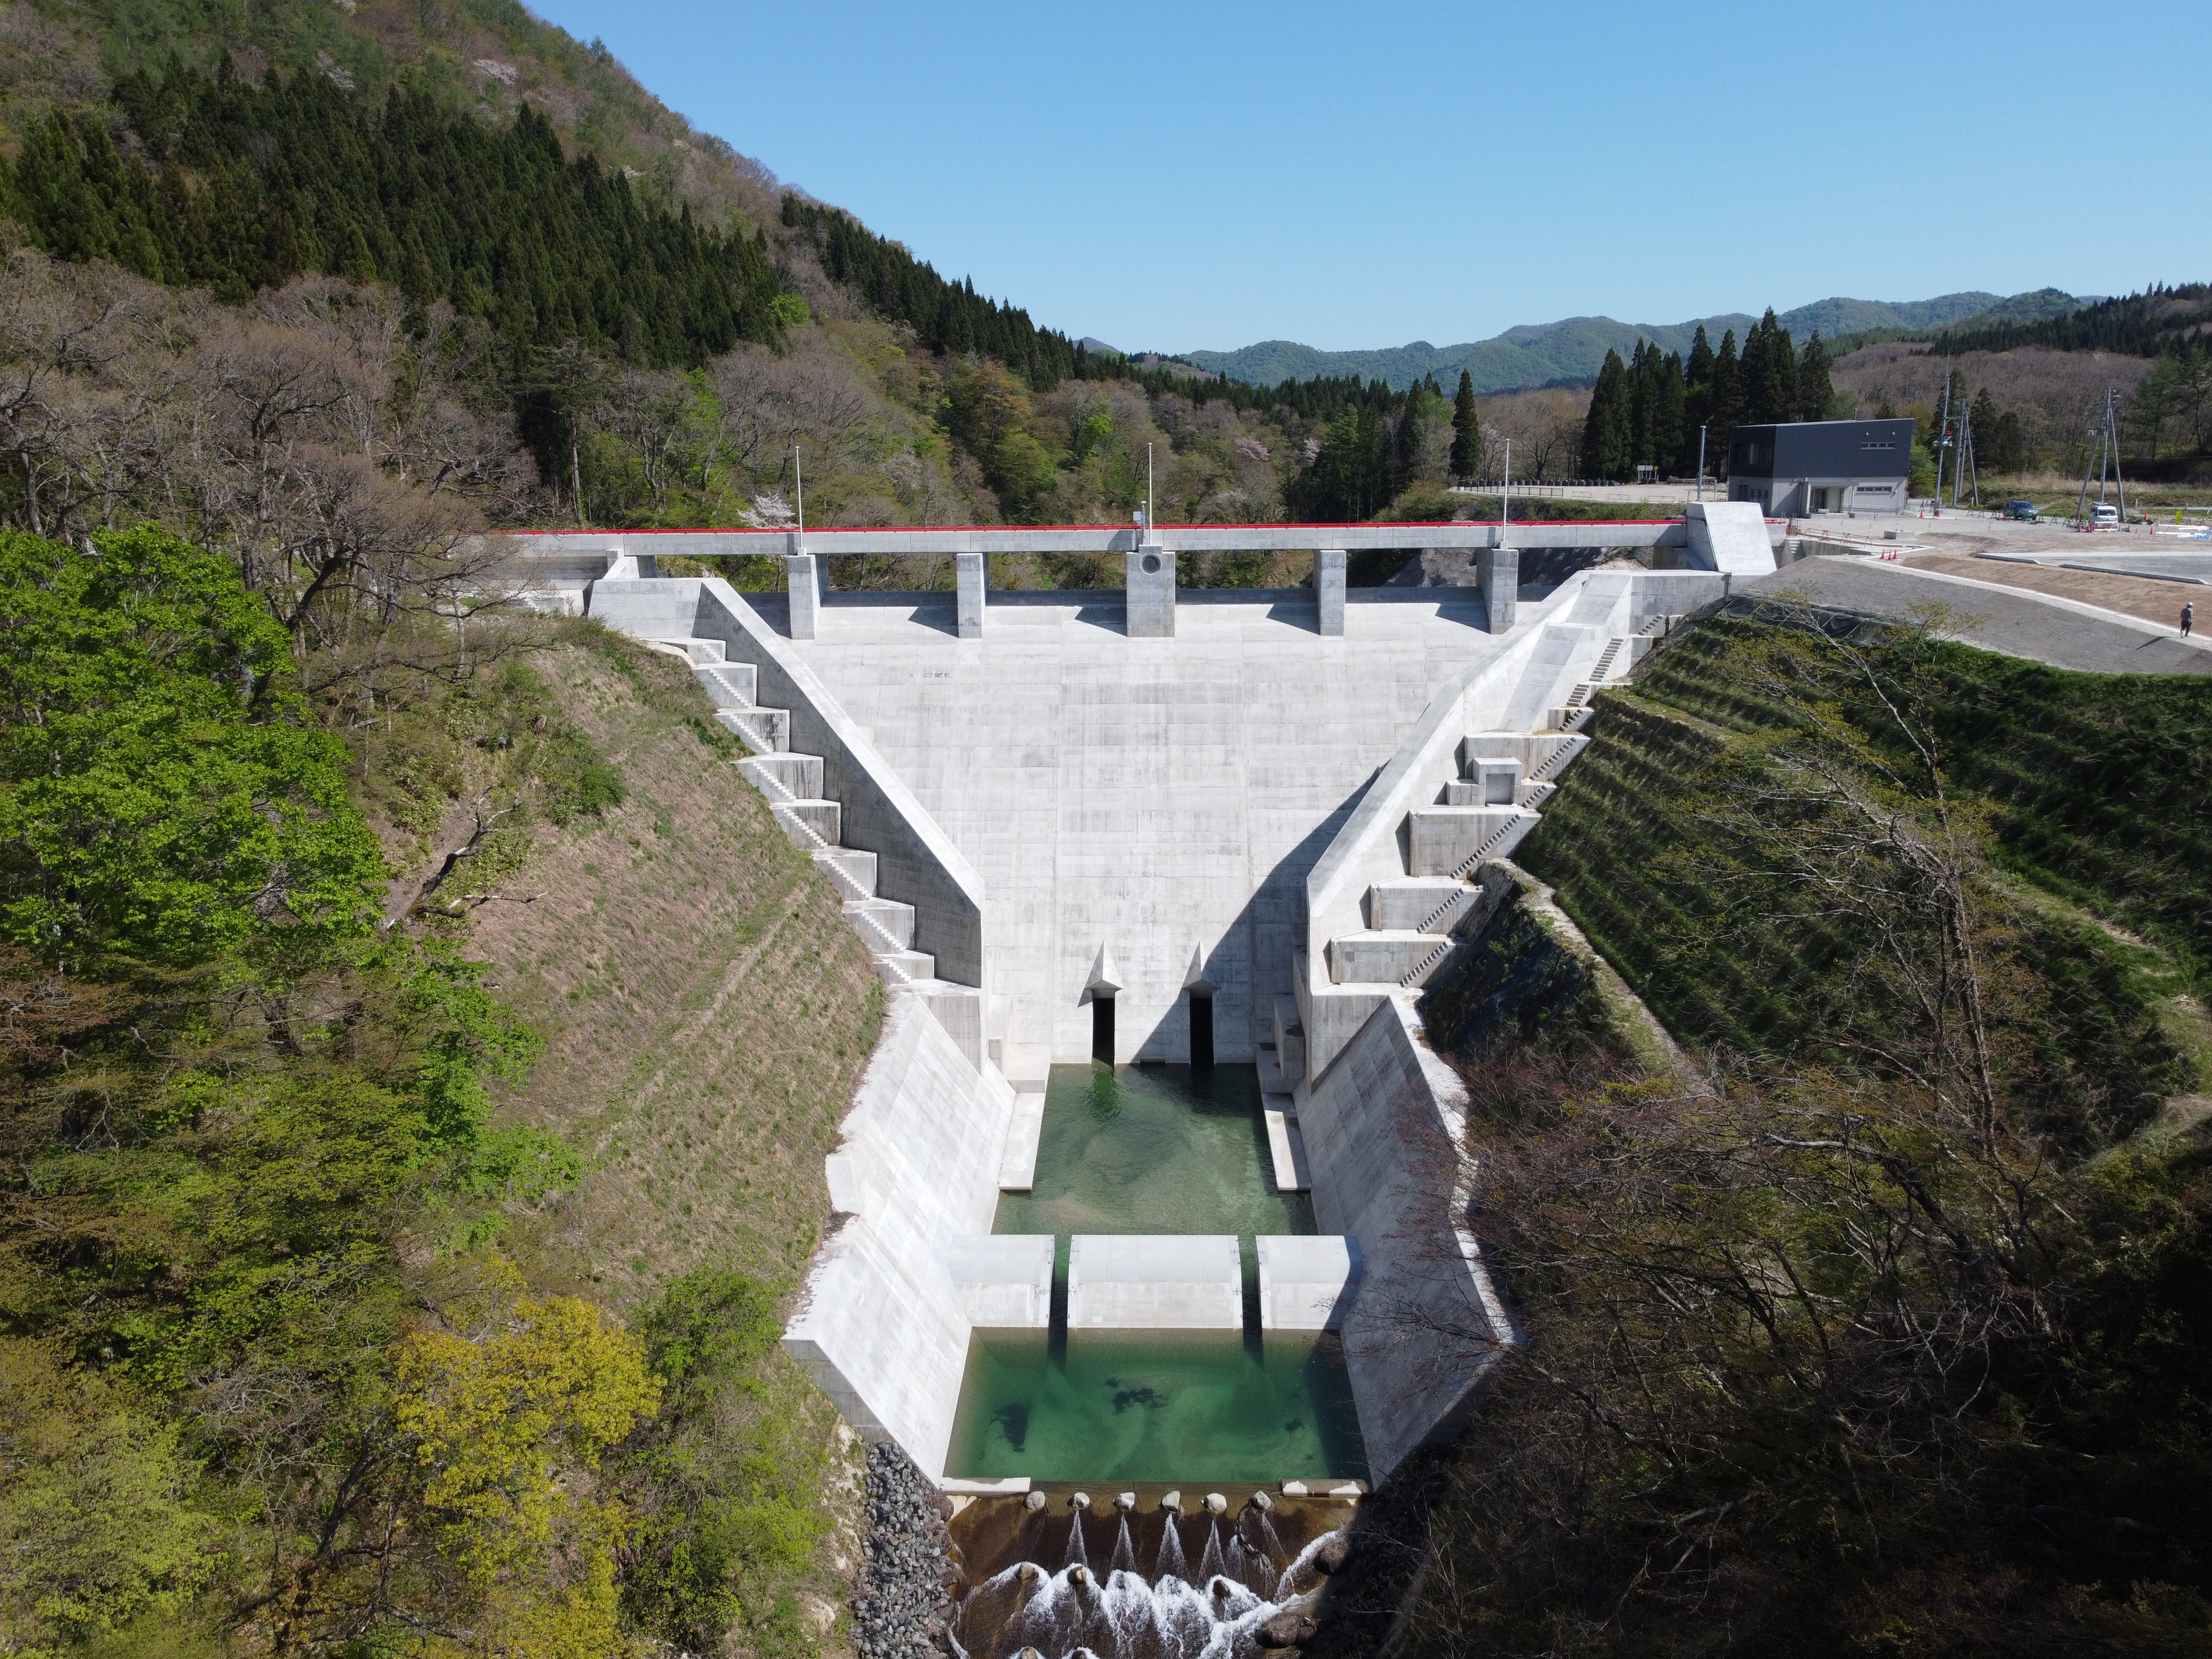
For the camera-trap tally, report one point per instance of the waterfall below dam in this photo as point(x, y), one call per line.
point(1156, 1586)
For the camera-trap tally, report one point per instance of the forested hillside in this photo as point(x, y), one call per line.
point(1880, 1322)
point(327, 1310)
point(1569, 352)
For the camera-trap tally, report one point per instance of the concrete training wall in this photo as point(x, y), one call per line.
point(1384, 1133)
point(881, 1326)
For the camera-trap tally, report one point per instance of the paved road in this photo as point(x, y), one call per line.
point(2011, 620)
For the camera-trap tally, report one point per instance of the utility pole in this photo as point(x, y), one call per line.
point(800, 478)
point(1942, 436)
point(1701, 462)
point(1504, 492)
point(1151, 532)
point(2106, 460)
point(1964, 475)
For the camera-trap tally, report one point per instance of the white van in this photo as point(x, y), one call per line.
point(2103, 514)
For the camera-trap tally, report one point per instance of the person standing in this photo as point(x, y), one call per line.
point(2188, 617)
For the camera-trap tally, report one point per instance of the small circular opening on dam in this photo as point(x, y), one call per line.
point(1151, 564)
point(1161, 1150)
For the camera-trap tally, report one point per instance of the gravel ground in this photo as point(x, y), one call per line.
point(902, 1610)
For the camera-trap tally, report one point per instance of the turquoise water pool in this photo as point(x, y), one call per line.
point(1179, 1406)
point(1153, 1149)
point(1150, 1149)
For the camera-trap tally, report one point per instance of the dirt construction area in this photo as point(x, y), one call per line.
point(2135, 596)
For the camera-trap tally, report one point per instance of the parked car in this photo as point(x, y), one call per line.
point(2103, 514)
point(2024, 510)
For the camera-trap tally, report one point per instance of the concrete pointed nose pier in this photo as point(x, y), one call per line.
point(1156, 825)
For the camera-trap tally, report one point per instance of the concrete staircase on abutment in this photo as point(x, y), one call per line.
point(907, 891)
point(815, 824)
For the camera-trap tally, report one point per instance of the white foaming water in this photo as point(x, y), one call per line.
point(1170, 1563)
point(1210, 1562)
point(1072, 1614)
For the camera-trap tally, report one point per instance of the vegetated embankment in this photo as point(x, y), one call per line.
point(1882, 1325)
point(417, 1064)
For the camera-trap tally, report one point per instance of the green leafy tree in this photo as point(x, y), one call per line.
point(1466, 432)
point(161, 796)
point(1922, 481)
point(96, 1523)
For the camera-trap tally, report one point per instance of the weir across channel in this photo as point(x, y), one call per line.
point(1094, 841)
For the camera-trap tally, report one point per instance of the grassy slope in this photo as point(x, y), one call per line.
point(707, 1010)
point(2098, 782)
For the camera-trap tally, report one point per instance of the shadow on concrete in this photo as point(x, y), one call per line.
point(932, 608)
point(774, 609)
point(1463, 606)
point(1270, 924)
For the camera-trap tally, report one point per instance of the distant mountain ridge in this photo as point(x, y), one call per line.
point(1573, 350)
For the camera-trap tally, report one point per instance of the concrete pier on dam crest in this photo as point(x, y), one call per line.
point(1138, 826)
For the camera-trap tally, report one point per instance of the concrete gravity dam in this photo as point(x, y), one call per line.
point(1152, 1182)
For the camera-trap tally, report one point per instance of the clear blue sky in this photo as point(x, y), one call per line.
point(1177, 176)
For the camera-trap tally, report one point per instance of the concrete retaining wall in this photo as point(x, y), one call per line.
point(882, 1326)
point(916, 863)
point(1384, 1132)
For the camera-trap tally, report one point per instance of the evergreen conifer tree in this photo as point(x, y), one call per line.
point(1699, 369)
point(1724, 405)
point(1605, 435)
point(1667, 404)
point(1770, 372)
point(1409, 439)
point(1697, 399)
point(1466, 432)
point(1640, 392)
point(1816, 392)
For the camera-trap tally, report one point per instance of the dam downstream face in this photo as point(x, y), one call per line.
point(1155, 1150)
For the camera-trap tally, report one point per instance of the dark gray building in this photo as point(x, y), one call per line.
point(1803, 467)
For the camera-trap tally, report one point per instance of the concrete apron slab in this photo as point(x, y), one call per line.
point(1155, 1282)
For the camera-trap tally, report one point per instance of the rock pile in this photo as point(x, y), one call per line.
point(902, 1610)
